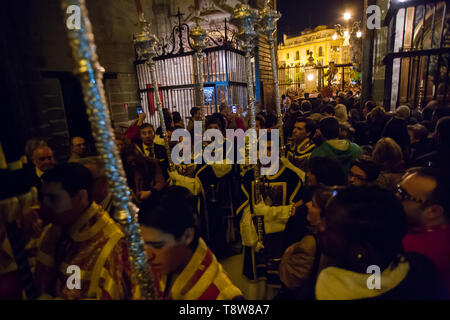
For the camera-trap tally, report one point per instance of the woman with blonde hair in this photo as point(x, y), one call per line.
point(389, 156)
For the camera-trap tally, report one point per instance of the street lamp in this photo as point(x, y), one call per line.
point(347, 16)
point(347, 32)
point(335, 36)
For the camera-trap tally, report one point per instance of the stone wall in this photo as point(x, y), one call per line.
point(36, 55)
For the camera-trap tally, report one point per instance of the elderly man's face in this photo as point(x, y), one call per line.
point(43, 158)
point(79, 146)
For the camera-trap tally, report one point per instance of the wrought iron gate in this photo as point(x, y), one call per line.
point(418, 53)
point(176, 70)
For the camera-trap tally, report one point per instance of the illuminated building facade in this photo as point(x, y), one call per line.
point(322, 42)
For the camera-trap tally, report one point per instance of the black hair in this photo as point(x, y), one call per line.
point(370, 167)
point(167, 119)
point(427, 113)
point(262, 121)
point(271, 120)
point(173, 212)
point(397, 129)
point(329, 127)
point(194, 111)
point(145, 166)
point(310, 125)
point(73, 177)
point(306, 106)
point(328, 171)
point(216, 118)
point(373, 216)
point(176, 116)
point(146, 125)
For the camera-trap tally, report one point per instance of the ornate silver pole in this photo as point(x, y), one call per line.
point(91, 74)
point(145, 46)
point(269, 18)
point(199, 36)
point(245, 18)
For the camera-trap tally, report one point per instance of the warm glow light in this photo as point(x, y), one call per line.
point(346, 34)
point(359, 34)
point(310, 77)
point(347, 16)
point(334, 36)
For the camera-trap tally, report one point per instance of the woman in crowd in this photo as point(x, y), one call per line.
point(321, 172)
point(376, 120)
point(388, 155)
point(183, 265)
point(363, 171)
point(177, 120)
point(300, 263)
point(144, 174)
point(397, 129)
point(362, 239)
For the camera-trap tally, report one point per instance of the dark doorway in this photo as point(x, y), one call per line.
point(76, 116)
point(75, 108)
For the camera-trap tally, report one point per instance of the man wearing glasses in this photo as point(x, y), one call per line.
point(425, 195)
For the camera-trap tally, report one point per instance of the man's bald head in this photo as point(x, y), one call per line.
point(424, 193)
point(43, 158)
point(79, 146)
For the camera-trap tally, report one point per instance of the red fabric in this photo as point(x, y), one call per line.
point(197, 275)
point(240, 123)
point(435, 245)
point(132, 132)
point(211, 293)
point(151, 104)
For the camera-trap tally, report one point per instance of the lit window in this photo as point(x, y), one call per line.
point(297, 55)
point(320, 52)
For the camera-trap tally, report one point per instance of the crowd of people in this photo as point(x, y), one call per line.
point(356, 188)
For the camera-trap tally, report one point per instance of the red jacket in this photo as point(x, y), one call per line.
point(434, 243)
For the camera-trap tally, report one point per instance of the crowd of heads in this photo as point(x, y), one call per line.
point(361, 212)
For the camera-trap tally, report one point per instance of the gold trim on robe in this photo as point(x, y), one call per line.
point(202, 279)
point(96, 244)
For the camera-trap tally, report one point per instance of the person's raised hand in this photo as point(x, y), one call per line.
point(141, 118)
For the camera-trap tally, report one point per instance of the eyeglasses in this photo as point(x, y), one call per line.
point(404, 195)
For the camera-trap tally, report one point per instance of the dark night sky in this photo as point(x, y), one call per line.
point(298, 15)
